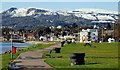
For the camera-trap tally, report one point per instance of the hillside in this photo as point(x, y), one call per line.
point(36, 17)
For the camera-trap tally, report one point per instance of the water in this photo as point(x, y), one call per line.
point(6, 46)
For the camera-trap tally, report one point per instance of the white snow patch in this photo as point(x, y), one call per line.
point(1, 11)
point(20, 12)
point(88, 16)
point(49, 13)
point(65, 13)
point(102, 21)
point(31, 13)
point(96, 11)
point(104, 17)
point(116, 17)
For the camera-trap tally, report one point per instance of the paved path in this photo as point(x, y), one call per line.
point(24, 59)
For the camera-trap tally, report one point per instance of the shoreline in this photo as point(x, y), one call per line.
point(13, 41)
point(39, 42)
point(6, 46)
point(27, 42)
point(31, 42)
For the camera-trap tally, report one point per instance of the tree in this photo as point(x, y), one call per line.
point(74, 25)
point(44, 30)
point(40, 32)
point(64, 33)
point(108, 26)
point(117, 30)
point(5, 33)
point(66, 26)
point(22, 30)
point(57, 32)
point(47, 30)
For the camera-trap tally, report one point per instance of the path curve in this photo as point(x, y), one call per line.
point(32, 63)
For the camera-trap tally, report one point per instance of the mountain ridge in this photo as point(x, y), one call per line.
point(41, 16)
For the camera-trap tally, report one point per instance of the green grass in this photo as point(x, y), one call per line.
point(104, 55)
point(6, 58)
point(89, 63)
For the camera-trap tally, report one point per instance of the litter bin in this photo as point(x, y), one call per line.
point(77, 58)
point(56, 50)
point(13, 49)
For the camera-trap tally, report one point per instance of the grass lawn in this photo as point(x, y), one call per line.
point(6, 58)
point(104, 55)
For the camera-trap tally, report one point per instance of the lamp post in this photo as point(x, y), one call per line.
point(78, 34)
point(102, 34)
point(11, 46)
point(114, 30)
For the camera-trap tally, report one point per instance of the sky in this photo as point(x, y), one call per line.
point(59, 0)
point(112, 6)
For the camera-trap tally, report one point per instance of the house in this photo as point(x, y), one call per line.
point(30, 37)
point(67, 37)
point(43, 38)
point(89, 35)
point(109, 32)
point(52, 27)
point(59, 27)
point(111, 40)
point(77, 36)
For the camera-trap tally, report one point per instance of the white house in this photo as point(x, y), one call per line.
point(43, 38)
point(111, 40)
point(59, 27)
point(88, 35)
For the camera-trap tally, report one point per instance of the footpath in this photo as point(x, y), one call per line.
point(33, 60)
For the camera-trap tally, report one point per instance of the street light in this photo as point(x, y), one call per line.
point(78, 34)
point(11, 46)
point(102, 34)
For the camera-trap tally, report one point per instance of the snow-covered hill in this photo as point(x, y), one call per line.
point(93, 15)
point(96, 14)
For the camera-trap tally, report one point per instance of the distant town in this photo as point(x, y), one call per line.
point(84, 34)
